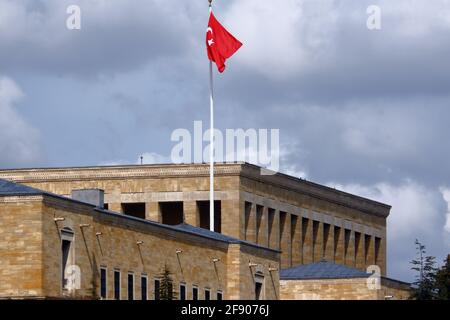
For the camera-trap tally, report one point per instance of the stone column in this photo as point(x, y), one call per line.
point(233, 218)
point(307, 241)
point(350, 248)
point(263, 227)
point(152, 211)
point(296, 227)
point(339, 243)
point(328, 242)
point(359, 251)
point(317, 241)
point(116, 207)
point(285, 240)
point(370, 250)
point(191, 214)
point(250, 232)
point(382, 255)
point(274, 231)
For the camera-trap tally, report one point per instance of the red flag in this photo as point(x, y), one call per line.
point(220, 44)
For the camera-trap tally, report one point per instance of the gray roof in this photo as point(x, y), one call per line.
point(321, 270)
point(11, 188)
point(8, 188)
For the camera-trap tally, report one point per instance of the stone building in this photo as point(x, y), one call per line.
point(329, 281)
point(55, 247)
point(306, 221)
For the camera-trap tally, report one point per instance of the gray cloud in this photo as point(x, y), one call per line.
point(365, 110)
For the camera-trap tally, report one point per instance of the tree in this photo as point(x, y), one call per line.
point(166, 291)
point(443, 280)
point(424, 287)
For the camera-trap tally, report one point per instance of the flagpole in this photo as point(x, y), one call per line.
point(211, 138)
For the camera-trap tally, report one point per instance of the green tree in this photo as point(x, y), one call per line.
point(166, 291)
point(443, 280)
point(424, 287)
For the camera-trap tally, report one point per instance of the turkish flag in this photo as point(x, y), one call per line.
point(220, 44)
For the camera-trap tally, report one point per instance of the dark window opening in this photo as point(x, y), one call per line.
point(207, 294)
point(130, 286)
point(194, 293)
point(219, 296)
point(103, 283)
point(203, 211)
point(157, 290)
point(182, 292)
point(116, 285)
point(258, 291)
point(171, 212)
point(144, 288)
point(65, 247)
point(66, 251)
point(136, 210)
point(106, 206)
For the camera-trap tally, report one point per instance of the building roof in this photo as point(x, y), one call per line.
point(11, 188)
point(8, 188)
point(199, 170)
point(321, 270)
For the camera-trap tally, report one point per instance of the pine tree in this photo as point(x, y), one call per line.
point(166, 291)
point(443, 280)
point(424, 286)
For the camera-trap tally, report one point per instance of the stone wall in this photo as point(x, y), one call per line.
point(21, 247)
point(33, 268)
point(316, 221)
point(341, 289)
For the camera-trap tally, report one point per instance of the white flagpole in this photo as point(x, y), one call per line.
point(211, 138)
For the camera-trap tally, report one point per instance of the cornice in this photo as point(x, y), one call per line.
point(197, 170)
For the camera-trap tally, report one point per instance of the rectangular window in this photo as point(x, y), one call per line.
point(219, 295)
point(207, 294)
point(144, 287)
point(182, 291)
point(157, 287)
point(103, 276)
point(116, 284)
point(194, 293)
point(130, 286)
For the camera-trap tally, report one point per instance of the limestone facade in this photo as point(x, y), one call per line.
point(343, 289)
point(32, 234)
point(306, 221)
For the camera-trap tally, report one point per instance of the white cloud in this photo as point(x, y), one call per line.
point(417, 212)
point(282, 44)
point(19, 141)
point(446, 195)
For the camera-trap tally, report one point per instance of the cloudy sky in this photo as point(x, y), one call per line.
point(360, 110)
